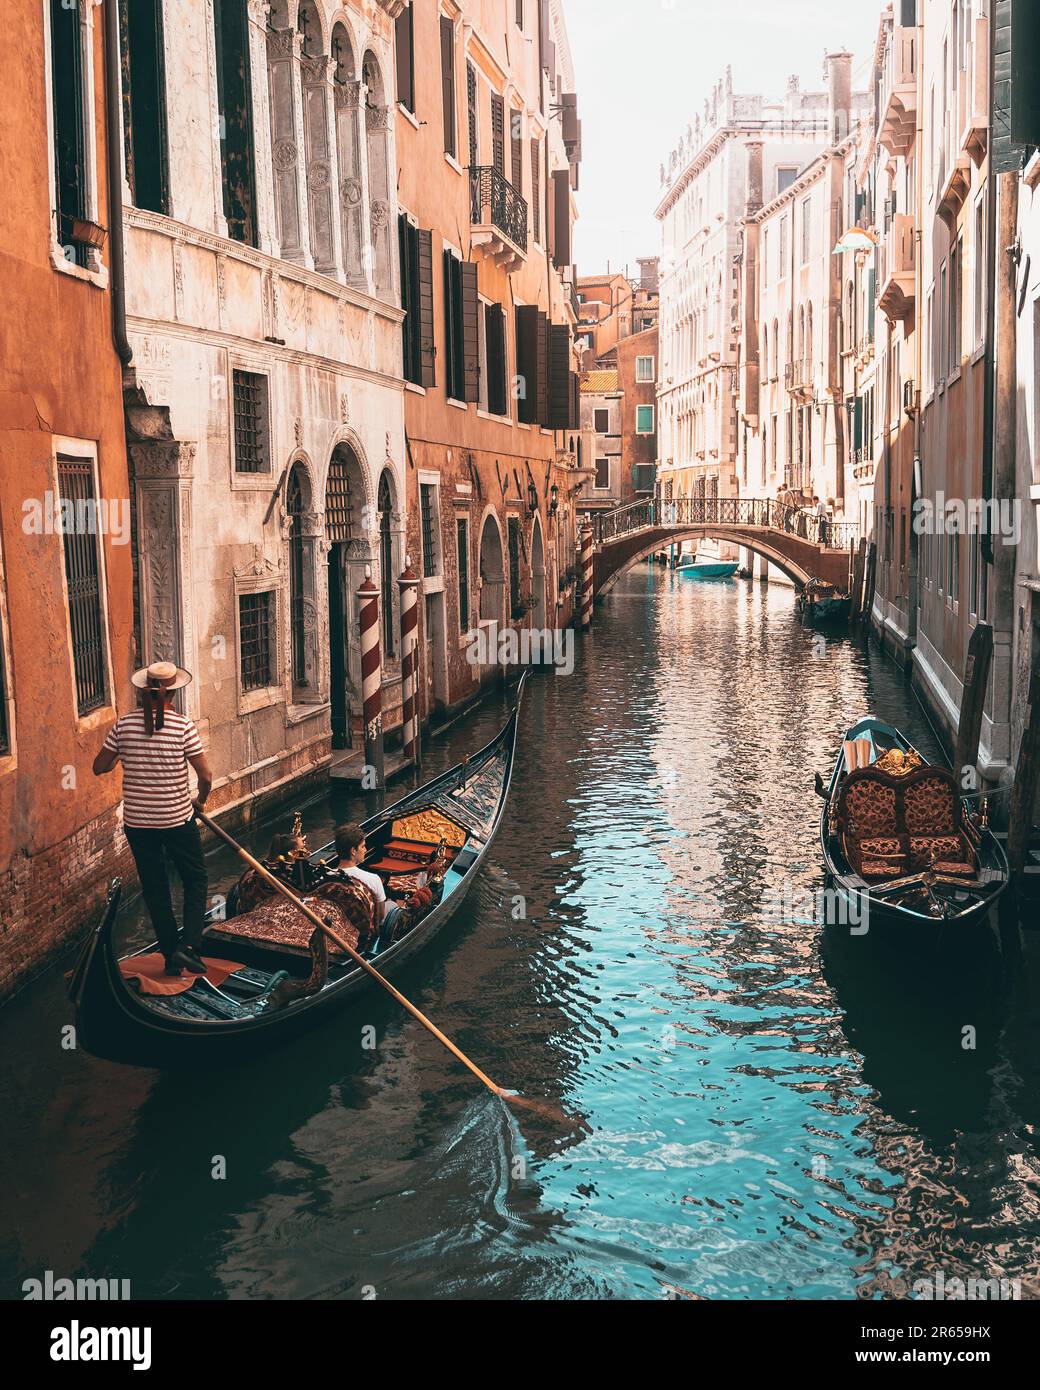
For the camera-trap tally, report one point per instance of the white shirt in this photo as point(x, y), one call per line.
point(375, 884)
point(155, 768)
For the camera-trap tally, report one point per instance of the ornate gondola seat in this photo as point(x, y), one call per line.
point(898, 817)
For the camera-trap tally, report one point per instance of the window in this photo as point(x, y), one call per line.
point(297, 608)
point(257, 644)
point(644, 419)
point(519, 14)
point(644, 369)
point(235, 104)
point(461, 312)
point(495, 359)
point(955, 306)
point(471, 110)
point(448, 84)
point(806, 230)
point(428, 511)
point(602, 421)
point(70, 169)
point(83, 581)
point(498, 132)
point(953, 567)
point(782, 272)
point(785, 176)
point(404, 34)
point(536, 189)
point(516, 148)
point(513, 530)
point(979, 316)
point(416, 255)
point(603, 473)
point(385, 507)
point(252, 448)
point(944, 315)
point(462, 543)
point(144, 102)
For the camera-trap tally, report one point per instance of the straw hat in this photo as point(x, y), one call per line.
point(161, 675)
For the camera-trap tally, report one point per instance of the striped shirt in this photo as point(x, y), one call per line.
point(155, 770)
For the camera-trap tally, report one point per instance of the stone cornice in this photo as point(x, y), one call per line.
point(703, 157)
point(812, 173)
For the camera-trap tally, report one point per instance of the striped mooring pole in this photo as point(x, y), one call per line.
point(586, 576)
point(371, 676)
point(408, 584)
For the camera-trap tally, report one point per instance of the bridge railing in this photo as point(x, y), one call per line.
point(766, 512)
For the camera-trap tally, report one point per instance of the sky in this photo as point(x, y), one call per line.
point(643, 69)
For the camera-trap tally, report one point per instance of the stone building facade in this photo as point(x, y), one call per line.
point(264, 399)
point(488, 144)
point(66, 584)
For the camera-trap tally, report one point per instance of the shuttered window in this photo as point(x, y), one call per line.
point(67, 101)
point(514, 565)
point(416, 247)
point(559, 376)
point(498, 132)
point(235, 105)
point(471, 110)
point(561, 181)
point(532, 366)
point(536, 189)
point(405, 43)
point(495, 353)
point(516, 146)
point(83, 580)
point(448, 85)
point(144, 102)
point(461, 309)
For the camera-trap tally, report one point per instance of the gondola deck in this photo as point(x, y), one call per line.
point(205, 1022)
point(892, 873)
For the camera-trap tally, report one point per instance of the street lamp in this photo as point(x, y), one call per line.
point(554, 500)
point(532, 498)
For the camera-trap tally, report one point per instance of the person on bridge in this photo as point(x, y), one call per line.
point(822, 519)
point(155, 744)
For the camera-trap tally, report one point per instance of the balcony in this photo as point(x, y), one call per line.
point(499, 217)
point(796, 378)
point(899, 92)
point(953, 178)
point(897, 267)
point(973, 95)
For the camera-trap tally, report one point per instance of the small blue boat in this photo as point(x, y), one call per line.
point(708, 569)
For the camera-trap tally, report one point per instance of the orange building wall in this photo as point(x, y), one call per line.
point(59, 376)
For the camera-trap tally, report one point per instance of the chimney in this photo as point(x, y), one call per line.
point(649, 273)
point(754, 176)
point(839, 93)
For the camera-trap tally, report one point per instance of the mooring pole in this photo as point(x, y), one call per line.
point(587, 576)
point(869, 583)
point(973, 702)
point(1023, 792)
point(371, 678)
point(408, 585)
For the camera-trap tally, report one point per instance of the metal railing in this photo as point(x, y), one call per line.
point(725, 512)
point(494, 200)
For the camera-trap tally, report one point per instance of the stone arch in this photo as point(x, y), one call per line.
point(491, 568)
point(748, 540)
point(538, 573)
point(310, 21)
point(346, 499)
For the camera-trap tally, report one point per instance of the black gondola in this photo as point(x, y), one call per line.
point(902, 846)
point(209, 1024)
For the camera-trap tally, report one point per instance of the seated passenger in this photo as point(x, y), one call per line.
point(392, 918)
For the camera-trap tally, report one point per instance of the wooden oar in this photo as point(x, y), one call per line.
point(370, 969)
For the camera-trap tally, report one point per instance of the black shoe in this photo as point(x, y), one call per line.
point(185, 959)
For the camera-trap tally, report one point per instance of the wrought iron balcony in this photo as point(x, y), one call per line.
point(498, 215)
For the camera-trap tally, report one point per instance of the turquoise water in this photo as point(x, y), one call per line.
point(767, 1115)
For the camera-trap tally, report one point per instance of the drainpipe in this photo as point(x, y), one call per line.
point(917, 472)
point(113, 125)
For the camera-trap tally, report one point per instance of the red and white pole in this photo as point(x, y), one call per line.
point(371, 676)
point(587, 559)
point(408, 584)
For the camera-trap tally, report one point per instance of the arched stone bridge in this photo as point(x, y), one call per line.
point(786, 536)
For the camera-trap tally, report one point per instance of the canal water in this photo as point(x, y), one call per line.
point(766, 1115)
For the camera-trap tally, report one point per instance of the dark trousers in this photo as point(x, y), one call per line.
point(183, 844)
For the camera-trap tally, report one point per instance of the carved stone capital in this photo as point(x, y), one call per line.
point(315, 70)
point(378, 117)
point(163, 459)
point(283, 43)
point(347, 94)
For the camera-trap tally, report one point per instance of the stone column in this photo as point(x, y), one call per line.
point(163, 472)
point(283, 47)
point(348, 99)
point(259, 15)
point(318, 145)
point(378, 126)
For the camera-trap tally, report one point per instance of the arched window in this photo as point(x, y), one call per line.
point(235, 105)
point(809, 373)
point(294, 508)
point(776, 350)
point(386, 561)
point(765, 354)
point(144, 103)
point(377, 137)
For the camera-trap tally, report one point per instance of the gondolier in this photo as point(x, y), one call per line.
point(155, 743)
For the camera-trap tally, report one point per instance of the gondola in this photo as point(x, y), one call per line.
point(247, 1011)
point(902, 846)
point(823, 605)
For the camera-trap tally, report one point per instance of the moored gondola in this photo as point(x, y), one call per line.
point(276, 989)
point(902, 846)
